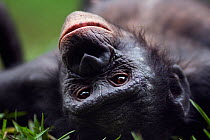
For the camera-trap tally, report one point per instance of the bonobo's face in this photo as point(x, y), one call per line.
point(114, 82)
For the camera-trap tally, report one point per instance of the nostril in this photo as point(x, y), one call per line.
point(86, 58)
point(90, 64)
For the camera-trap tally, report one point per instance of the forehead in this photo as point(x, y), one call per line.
point(131, 47)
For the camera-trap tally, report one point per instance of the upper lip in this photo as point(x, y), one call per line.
point(81, 25)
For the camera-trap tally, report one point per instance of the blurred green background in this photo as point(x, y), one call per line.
point(39, 22)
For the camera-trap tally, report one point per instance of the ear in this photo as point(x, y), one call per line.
point(180, 89)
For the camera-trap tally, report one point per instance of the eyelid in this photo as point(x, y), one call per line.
point(116, 74)
point(79, 90)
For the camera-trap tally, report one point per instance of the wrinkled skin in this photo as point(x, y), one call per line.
point(103, 81)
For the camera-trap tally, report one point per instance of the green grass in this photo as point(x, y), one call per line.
point(36, 131)
point(206, 118)
point(136, 136)
point(203, 114)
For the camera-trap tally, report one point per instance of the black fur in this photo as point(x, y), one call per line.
point(154, 102)
point(10, 48)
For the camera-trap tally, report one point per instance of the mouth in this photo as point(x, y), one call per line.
point(79, 22)
point(79, 26)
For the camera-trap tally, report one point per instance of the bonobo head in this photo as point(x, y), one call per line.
point(114, 83)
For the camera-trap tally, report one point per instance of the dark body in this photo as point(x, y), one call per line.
point(10, 48)
point(109, 78)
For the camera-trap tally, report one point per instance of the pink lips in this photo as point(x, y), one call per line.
point(81, 25)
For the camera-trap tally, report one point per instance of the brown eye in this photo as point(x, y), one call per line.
point(83, 93)
point(119, 79)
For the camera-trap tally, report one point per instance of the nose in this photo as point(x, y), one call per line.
point(85, 43)
point(87, 58)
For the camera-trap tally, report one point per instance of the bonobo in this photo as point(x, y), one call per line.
point(133, 68)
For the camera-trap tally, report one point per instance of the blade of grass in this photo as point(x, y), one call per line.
point(16, 126)
point(203, 114)
point(136, 137)
point(42, 122)
point(66, 135)
point(14, 115)
point(193, 138)
point(1, 115)
point(31, 126)
point(45, 135)
point(40, 134)
point(23, 131)
point(3, 130)
point(4, 125)
point(10, 129)
point(176, 138)
point(207, 133)
point(118, 137)
point(51, 137)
